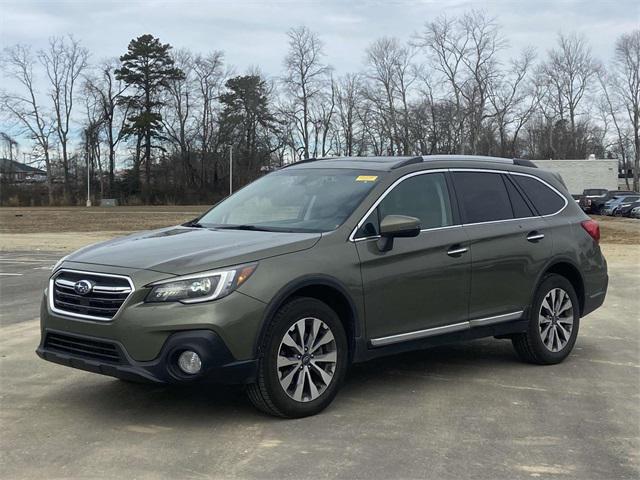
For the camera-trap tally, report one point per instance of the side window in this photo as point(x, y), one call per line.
point(545, 200)
point(425, 197)
point(482, 196)
point(520, 207)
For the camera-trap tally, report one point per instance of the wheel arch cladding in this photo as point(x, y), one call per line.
point(571, 273)
point(325, 289)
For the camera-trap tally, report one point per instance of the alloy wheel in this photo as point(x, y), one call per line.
point(307, 359)
point(555, 319)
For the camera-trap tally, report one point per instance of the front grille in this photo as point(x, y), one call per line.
point(83, 347)
point(102, 302)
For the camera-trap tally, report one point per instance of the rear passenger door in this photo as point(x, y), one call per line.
point(509, 244)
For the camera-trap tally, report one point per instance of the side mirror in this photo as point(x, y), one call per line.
point(393, 226)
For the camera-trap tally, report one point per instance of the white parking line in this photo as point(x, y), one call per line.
point(7, 260)
point(11, 274)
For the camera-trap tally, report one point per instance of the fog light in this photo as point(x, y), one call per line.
point(189, 362)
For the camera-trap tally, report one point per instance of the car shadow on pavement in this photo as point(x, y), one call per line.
point(125, 402)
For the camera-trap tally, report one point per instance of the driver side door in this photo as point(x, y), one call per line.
point(420, 287)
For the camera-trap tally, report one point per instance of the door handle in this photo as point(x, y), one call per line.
point(453, 252)
point(535, 236)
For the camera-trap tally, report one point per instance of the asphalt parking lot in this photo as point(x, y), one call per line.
point(23, 275)
point(462, 411)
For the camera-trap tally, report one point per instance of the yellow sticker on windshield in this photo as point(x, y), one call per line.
point(367, 178)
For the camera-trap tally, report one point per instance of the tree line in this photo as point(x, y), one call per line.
point(159, 124)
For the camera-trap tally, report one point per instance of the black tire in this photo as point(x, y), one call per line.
point(529, 345)
point(267, 394)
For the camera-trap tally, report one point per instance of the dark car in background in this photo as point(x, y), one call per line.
point(613, 205)
point(324, 263)
point(594, 199)
point(589, 195)
point(625, 209)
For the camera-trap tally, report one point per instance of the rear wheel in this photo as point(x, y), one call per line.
point(553, 323)
point(302, 362)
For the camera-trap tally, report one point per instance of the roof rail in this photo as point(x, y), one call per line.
point(524, 163)
point(393, 163)
point(307, 160)
point(407, 161)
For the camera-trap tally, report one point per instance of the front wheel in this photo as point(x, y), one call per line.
point(554, 320)
point(302, 361)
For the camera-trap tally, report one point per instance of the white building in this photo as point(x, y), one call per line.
point(581, 174)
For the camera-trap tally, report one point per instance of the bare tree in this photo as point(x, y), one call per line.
point(464, 51)
point(322, 118)
point(348, 101)
point(92, 133)
point(484, 43)
point(177, 120)
point(625, 80)
point(210, 77)
point(108, 93)
point(63, 60)
point(26, 108)
point(305, 77)
point(384, 57)
point(445, 45)
point(513, 99)
point(570, 70)
point(615, 111)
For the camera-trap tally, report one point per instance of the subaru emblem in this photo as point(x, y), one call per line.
point(83, 287)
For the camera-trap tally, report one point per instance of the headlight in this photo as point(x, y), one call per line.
point(200, 287)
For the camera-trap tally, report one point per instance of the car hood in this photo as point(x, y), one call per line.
point(183, 250)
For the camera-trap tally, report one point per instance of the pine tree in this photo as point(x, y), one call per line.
point(148, 68)
point(246, 122)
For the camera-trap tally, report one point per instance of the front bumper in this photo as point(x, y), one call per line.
point(88, 353)
point(143, 337)
point(143, 328)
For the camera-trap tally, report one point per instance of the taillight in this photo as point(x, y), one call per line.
point(592, 228)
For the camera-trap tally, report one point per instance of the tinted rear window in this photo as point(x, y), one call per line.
point(545, 200)
point(483, 197)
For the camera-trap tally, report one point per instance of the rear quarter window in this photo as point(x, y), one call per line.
point(544, 199)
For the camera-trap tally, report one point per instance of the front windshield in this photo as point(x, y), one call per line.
point(294, 200)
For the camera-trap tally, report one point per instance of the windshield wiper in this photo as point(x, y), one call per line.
point(255, 228)
point(194, 224)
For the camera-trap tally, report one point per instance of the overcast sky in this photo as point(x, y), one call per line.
point(252, 33)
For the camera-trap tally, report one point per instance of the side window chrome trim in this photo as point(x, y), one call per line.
point(443, 170)
point(384, 194)
point(376, 237)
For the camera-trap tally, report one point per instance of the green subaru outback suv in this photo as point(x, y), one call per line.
point(328, 262)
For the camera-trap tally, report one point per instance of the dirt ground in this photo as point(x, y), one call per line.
point(68, 228)
point(95, 219)
point(65, 229)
